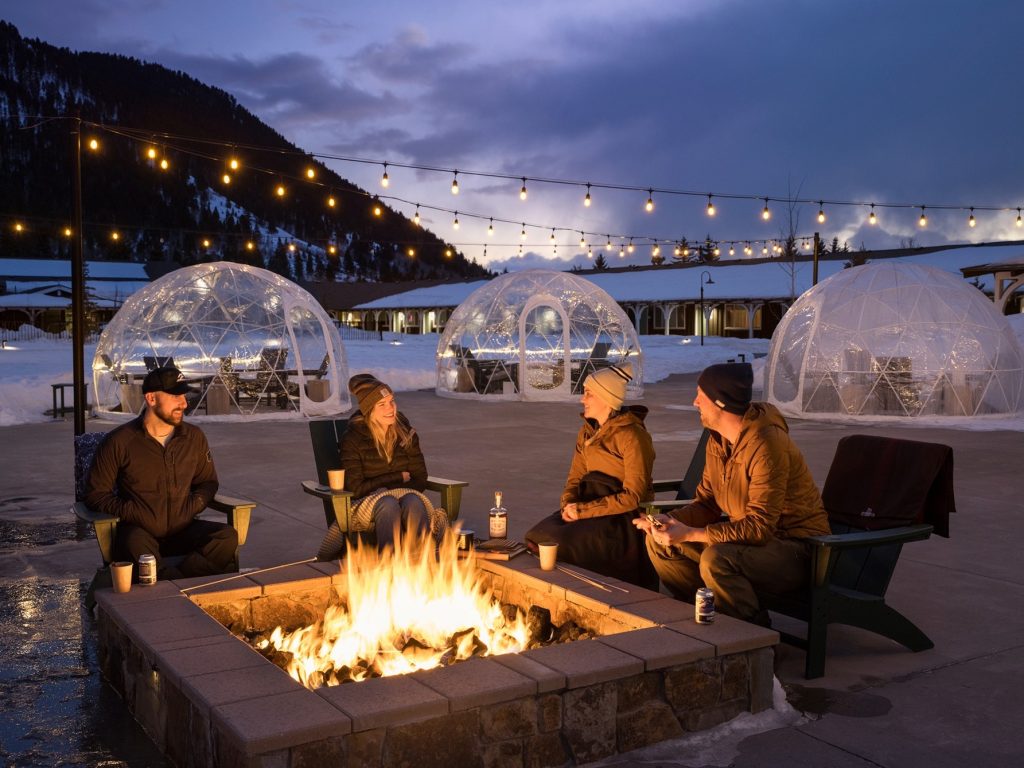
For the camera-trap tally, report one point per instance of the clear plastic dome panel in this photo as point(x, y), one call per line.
point(894, 339)
point(251, 342)
point(534, 335)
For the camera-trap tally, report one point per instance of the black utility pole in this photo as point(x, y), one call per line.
point(817, 252)
point(78, 284)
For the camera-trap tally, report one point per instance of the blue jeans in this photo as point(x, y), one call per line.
point(402, 517)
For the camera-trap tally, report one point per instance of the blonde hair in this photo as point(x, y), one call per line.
point(386, 438)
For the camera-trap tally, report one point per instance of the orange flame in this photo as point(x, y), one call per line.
point(405, 610)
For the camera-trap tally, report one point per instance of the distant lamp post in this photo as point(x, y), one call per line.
point(705, 279)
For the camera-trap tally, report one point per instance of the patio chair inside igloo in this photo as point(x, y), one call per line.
point(890, 339)
point(534, 335)
point(248, 341)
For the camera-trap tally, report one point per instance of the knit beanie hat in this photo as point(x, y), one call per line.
point(368, 391)
point(609, 384)
point(729, 385)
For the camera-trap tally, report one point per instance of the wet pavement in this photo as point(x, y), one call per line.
point(878, 705)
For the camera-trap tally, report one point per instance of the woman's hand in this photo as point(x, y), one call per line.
point(406, 477)
point(569, 513)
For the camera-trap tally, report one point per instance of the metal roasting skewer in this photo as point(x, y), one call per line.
point(249, 573)
point(592, 582)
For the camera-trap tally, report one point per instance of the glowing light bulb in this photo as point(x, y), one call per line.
point(384, 181)
point(649, 205)
point(332, 249)
point(923, 221)
point(764, 250)
point(206, 243)
point(455, 224)
point(455, 183)
point(766, 214)
point(93, 144)
point(331, 202)
point(151, 153)
point(226, 178)
point(67, 231)
point(552, 238)
point(622, 252)
point(522, 190)
point(686, 251)
point(448, 253)
point(164, 165)
point(490, 229)
point(412, 253)
point(608, 245)
point(377, 210)
point(233, 164)
point(416, 217)
point(586, 198)
point(250, 245)
point(629, 248)
point(590, 253)
point(280, 190)
point(310, 173)
point(971, 222)
point(522, 234)
point(583, 240)
point(291, 247)
point(115, 235)
point(656, 250)
point(676, 251)
point(1020, 221)
point(821, 213)
point(717, 251)
point(872, 219)
point(18, 227)
point(732, 250)
point(711, 207)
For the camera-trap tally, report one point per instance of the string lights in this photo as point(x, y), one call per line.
point(156, 152)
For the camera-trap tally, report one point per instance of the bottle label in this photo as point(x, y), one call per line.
point(498, 527)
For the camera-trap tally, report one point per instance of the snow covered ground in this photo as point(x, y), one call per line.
point(406, 363)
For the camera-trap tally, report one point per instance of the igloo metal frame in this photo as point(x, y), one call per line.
point(252, 343)
point(534, 335)
point(890, 339)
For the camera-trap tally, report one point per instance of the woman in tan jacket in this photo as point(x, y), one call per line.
point(609, 478)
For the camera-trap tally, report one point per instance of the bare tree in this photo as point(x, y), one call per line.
point(788, 233)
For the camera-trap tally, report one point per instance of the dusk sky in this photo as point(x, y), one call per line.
point(914, 102)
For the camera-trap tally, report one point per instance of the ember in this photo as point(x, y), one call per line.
point(404, 610)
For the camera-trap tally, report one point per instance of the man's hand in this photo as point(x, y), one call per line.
point(569, 513)
point(649, 522)
point(672, 532)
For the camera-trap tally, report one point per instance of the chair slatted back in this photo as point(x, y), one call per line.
point(694, 472)
point(884, 483)
point(85, 451)
point(326, 435)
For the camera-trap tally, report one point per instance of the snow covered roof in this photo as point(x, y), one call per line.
point(774, 280)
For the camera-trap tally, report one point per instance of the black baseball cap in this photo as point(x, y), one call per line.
point(169, 380)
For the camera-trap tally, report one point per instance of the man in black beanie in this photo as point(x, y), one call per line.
point(755, 506)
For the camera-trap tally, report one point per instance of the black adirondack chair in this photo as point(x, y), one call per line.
point(880, 493)
point(685, 488)
point(326, 435)
point(238, 512)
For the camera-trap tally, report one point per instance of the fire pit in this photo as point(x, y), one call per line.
point(207, 698)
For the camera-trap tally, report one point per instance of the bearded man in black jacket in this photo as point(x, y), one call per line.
point(156, 474)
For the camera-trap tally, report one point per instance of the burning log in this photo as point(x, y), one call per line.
point(538, 625)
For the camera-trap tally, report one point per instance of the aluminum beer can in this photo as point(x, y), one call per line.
point(704, 606)
point(147, 569)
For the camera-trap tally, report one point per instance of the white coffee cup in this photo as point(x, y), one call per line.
point(121, 576)
point(336, 479)
point(548, 556)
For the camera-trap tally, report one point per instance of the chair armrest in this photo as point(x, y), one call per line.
point(337, 504)
point(872, 538)
point(654, 507)
point(451, 494)
point(664, 486)
point(238, 511)
point(103, 525)
point(321, 491)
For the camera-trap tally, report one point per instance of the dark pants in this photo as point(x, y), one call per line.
point(403, 516)
point(734, 572)
point(208, 548)
point(609, 545)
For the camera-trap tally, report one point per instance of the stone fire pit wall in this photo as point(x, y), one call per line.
point(208, 699)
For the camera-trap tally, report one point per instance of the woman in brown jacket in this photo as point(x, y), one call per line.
point(384, 469)
point(609, 478)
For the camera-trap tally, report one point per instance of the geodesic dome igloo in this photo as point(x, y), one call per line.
point(249, 341)
point(891, 339)
point(534, 335)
